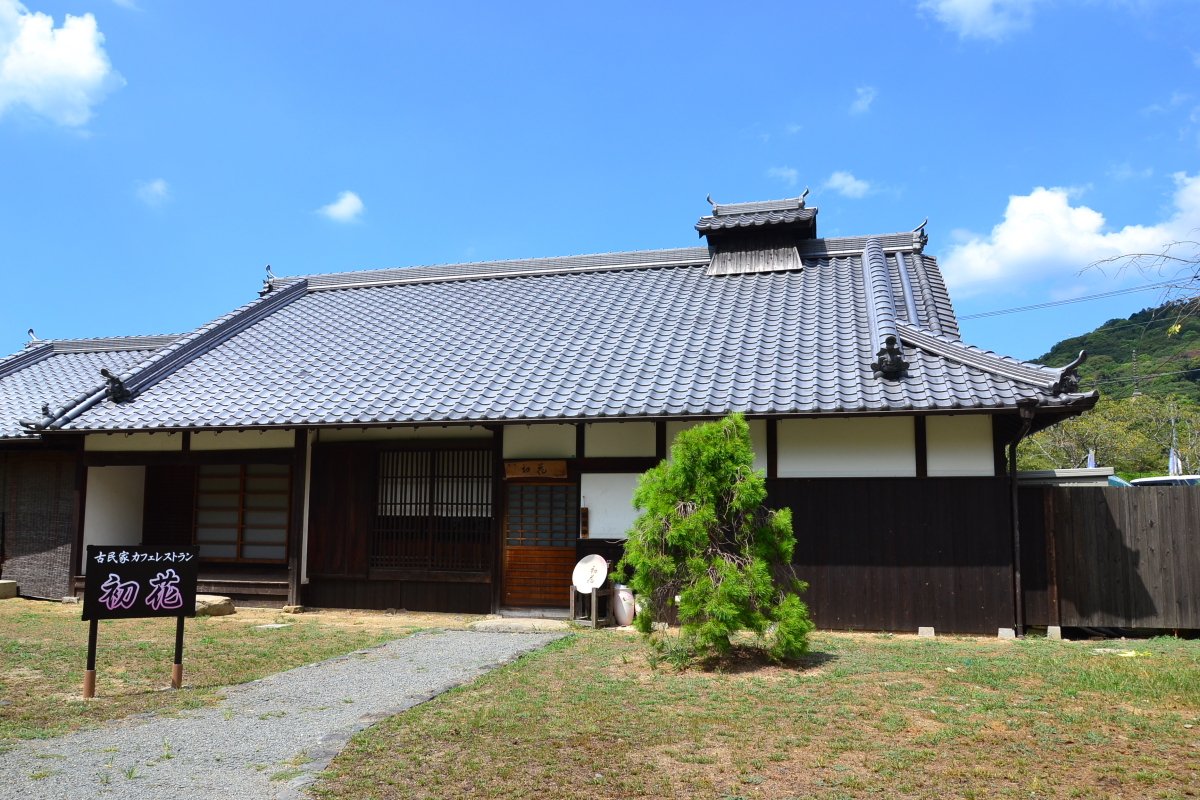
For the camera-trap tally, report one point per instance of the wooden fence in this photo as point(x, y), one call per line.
point(1112, 556)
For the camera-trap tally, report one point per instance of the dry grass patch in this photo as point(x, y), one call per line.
point(43, 647)
point(865, 715)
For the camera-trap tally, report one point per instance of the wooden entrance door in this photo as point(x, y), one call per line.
point(541, 524)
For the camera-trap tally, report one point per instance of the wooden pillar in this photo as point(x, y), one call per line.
point(921, 444)
point(498, 511)
point(660, 439)
point(772, 448)
point(580, 439)
point(81, 474)
point(296, 524)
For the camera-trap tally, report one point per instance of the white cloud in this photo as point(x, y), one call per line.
point(847, 185)
point(1044, 236)
point(786, 174)
point(982, 19)
point(57, 73)
point(127, 4)
point(866, 94)
point(154, 193)
point(794, 128)
point(346, 208)
point(1124, 172)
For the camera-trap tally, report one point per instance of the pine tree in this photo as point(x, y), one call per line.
point(704, 537)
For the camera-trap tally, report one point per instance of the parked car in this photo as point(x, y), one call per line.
point(1168, 480)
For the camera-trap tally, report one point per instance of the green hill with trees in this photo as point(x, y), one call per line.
point(1167, 347)
point(1146, 403)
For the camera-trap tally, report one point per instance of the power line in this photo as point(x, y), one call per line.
point(1100, 296)
point(1145, 377)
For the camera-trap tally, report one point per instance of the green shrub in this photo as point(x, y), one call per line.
point(704, 537)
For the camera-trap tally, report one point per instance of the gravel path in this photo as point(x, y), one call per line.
point(261, 729)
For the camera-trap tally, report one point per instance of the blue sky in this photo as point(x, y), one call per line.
point(158, 154)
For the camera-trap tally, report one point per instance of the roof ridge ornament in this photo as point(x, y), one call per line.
point(1068, 376)
point(891, 363)
point(920, 238)
point(268, 283)
point(115, 388)
point(802, 196)
point(32, 338)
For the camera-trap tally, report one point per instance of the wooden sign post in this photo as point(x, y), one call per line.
point(131, 582)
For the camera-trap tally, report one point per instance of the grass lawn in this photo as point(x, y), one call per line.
point(866, 715)
point(43, 650)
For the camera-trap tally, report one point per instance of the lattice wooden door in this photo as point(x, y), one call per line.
point(541, 525)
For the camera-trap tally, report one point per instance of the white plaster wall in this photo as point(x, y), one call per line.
point(405, 433)
point(125, 442)
point(608, 499)
point(242, 440)
point(863, 447)
point(539, 441)
point(959, 445)
point(616, 439)
point(112, 513)
point(758, 438)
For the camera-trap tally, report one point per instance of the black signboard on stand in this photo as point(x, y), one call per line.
point(124, 582)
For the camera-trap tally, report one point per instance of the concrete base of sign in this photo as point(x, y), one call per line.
point(925, 632)
point(8, 589)
point(213, 605)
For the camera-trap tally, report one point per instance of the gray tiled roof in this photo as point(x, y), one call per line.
point(755, 219)
point(642, 259)
point(54, 372)
point(571, 341)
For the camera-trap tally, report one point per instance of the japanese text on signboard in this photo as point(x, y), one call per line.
point(127, 582)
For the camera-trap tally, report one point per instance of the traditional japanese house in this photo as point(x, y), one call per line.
point(454, 437)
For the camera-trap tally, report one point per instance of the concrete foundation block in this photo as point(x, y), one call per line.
point(1006, 633)
point(8, 589)
point(1054, 632)
point(925, 632)
point(293, 609)
point(72, 600)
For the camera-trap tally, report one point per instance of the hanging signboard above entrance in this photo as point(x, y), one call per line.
point(535, 469)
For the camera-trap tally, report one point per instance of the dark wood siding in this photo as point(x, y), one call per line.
point(168, 508)
point(896, 554)
point(39, 522)
point(460, 598)
point(341, 510)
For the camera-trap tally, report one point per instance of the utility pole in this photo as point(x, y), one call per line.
point(1137, 376)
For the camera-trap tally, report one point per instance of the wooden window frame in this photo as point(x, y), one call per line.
point(509, 485)
point(447, 553)
point(242, 509)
